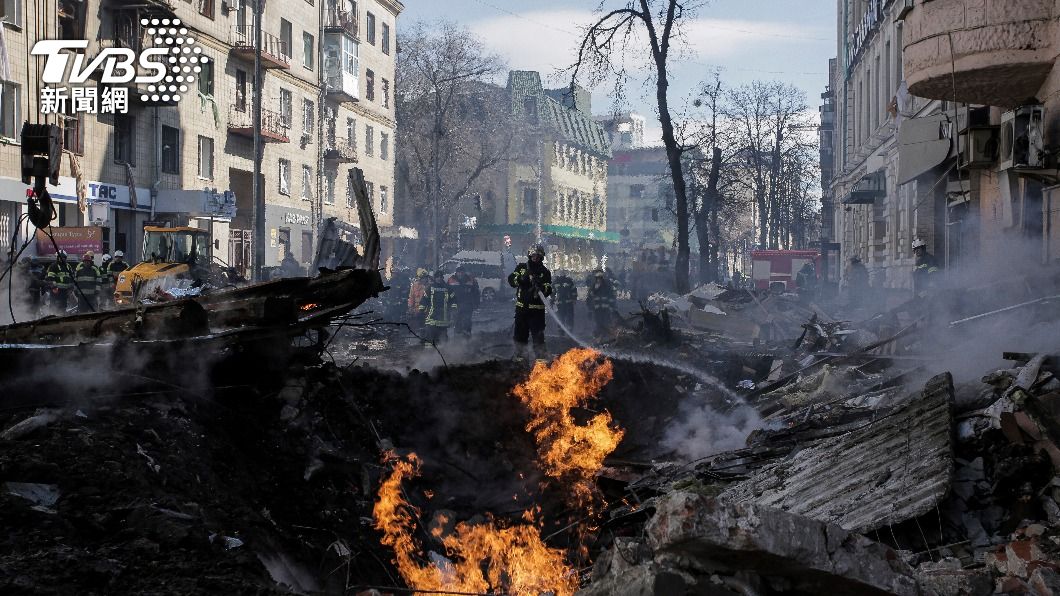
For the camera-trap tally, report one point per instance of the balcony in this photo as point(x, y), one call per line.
point(340, 151)
point(1001, 54)
point(341, 64)
point(273, 127)
point(339, 21)
point(274, 51)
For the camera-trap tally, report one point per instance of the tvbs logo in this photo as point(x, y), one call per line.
point(167, 67)
point(117, 65)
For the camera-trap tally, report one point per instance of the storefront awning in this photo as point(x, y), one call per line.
point(551, 230)
point(871, 187)
point(923, 143)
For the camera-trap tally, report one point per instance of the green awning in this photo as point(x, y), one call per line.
point(549, 230)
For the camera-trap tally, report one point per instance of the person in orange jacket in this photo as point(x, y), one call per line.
point(416, 293)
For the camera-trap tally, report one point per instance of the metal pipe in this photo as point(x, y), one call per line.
point(257, 187)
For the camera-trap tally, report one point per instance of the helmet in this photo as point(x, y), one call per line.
point(61, 254)
point(918, 243)
point(106, 257)
point(118, 254)
point(536, 249)
point(88, 256)
point(421, 272)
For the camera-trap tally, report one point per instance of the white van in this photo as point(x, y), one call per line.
point(490, 268)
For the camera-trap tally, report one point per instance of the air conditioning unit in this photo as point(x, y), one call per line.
point(1023, 138)
point(229, 5)
point(979, 146)
point(903, 9)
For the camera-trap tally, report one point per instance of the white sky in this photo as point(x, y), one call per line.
point(786, 40)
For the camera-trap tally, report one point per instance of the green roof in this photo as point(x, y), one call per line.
point(574, 126)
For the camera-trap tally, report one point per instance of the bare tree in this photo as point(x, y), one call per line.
point(769, 117)
point(601, 55)
point(451, 119)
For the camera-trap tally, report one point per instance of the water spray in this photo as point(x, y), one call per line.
point(700, 375)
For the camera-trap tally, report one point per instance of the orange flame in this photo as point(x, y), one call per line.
point(484, 557)
point(567, 451)
point(309, 307)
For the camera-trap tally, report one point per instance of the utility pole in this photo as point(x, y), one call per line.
point(256, 185)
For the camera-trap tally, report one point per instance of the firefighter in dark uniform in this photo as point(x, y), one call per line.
point(89, 280)
point(564, 298)
point(531, 280)
point(601, 301)
point(467, 294)
point(60, 278)
point(926, 269)
point(806, 280)
point(437, 306)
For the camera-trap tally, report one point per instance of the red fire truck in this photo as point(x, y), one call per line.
point(770, 268)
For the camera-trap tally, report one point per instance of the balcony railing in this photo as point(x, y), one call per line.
point(275, 52)
point(273, 127)
point(341, 151)
point(340, 20)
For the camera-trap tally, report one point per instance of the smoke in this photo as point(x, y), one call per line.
point(700, 430)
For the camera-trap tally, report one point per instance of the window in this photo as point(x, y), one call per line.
point(286, 38)
point(369, 140)
point(636, 191)
point(329, 190)
point(10, 110)
point(307, 246)
point(71, 16)
point(170, 150)
point(351, 132)
point(283, 238)
point(205, 158)
point(206, 8)
point(370, 187)
point(308, 50)
point(371, 29)
point(206, 77)
point(369, 85)
point(384, 201)
point(124, 141)
point(308, 117)
point(384, 146)
point(386, 93)
point(349, 192)
point(11, 12)
point(385, 41)
point(307, 182)
point(285, 108)
point(73, 132)
point(285, 177)
point(241, 90)
point(349, 56)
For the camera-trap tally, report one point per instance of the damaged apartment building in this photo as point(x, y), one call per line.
point(942, 133)
point(555, 186)
point(327, 106)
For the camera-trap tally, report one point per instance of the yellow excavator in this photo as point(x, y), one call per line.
point(169, 256)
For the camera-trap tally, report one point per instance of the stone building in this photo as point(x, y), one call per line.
point(555, 188)
point(888, 147)
point(327, 106)
point(998, 60)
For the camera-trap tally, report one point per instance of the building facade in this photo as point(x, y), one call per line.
point(556, 189)
point(997, 60)
point(888, 150)
point(328, 72)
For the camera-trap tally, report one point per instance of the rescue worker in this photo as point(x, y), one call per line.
point(437, 306)
point(466, 293)
point(737, 280)
point(60, 278)
point(532, 280)
point(88, 279)
point(857, 280)
point(106, 289)
point(289, 266)
point(925, 270)
point(601, 301)
point(416, 293)
point(117, 265)
point(564, 298)
point(806, 280)
point(33, 277)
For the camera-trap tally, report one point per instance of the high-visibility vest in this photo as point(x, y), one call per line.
point(88, 278)
point(59, 274)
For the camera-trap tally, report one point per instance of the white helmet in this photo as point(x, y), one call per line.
point(106, 257)
point(119, 253)
point(918, 243)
